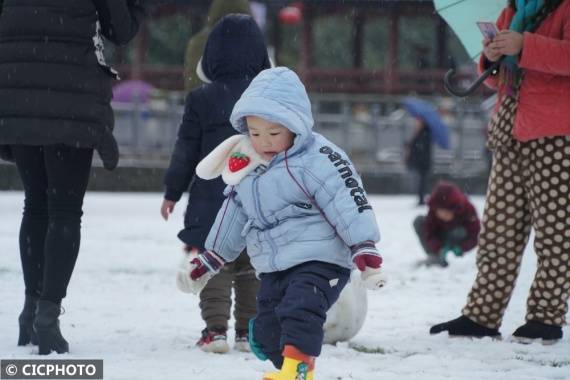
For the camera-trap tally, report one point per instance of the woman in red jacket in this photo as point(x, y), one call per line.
point(451, 225)
point(529, 183)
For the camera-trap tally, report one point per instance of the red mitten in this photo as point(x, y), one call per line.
point(368, 260)
point(206, 262)
point(196, 269)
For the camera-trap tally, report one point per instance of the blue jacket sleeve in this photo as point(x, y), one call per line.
point(333, 182)
point(119, 19)
point(225, 237)
point(186, 154)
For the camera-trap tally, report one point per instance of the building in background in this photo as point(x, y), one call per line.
point(354, 46)
point(358, 59)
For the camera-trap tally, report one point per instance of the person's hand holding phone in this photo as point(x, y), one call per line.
point(489, 31)
point(491, 54)
point(507, 42)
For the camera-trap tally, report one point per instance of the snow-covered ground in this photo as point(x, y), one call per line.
point(123, 306)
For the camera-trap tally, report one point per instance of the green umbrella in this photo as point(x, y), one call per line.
point(462, 16)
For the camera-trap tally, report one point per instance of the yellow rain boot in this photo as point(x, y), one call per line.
point(296, 366)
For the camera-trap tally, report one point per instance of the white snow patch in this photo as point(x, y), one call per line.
point(123, 305)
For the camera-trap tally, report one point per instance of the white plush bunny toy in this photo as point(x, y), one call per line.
point(233, 160)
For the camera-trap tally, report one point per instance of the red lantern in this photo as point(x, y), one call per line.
point(290, 15)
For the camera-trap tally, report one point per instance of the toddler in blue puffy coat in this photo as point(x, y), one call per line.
point(298, 204)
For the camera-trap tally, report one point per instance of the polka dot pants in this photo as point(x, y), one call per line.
point(528, 186)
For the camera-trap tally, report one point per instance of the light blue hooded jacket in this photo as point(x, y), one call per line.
point(270, 211)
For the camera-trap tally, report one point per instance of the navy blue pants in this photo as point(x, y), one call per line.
point(292, 307)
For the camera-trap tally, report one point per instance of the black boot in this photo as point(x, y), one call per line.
point(534, 330)
point(46, 325)
point(26, 321)
point(463, 326)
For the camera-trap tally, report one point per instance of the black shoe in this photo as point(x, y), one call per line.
point(26, 321)
point(442, 260)
point(533, 330)
point(463, 326)
point(434, 260)
point(46, 325)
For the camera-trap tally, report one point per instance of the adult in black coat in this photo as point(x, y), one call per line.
point(419, 156)
point(55, 94)
point(234, 54)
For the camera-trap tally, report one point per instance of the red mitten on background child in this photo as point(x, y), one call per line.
point(196, 269)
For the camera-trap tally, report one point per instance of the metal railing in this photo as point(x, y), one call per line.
point(146, 133)
point(371, 129)
point(374, 129)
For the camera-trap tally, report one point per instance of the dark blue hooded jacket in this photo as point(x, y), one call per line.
point(234, 54)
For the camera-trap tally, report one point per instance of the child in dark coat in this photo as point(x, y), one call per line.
point(451, 225)
point(234, 54)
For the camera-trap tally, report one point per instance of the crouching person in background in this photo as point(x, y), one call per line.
point(451, 225)
point(298, 205)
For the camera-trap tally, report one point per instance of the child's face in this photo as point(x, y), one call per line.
point(268, 138)
point(444, 214)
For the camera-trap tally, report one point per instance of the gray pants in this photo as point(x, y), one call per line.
point(216, 301)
